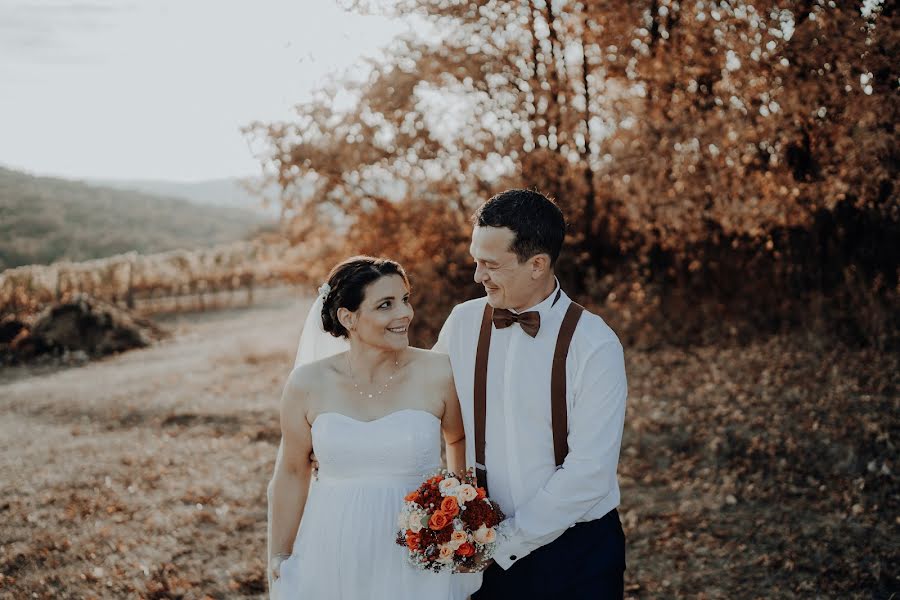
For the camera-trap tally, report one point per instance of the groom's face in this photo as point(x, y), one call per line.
point(507, 282)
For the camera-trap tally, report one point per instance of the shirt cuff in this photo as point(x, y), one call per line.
point(508, 551)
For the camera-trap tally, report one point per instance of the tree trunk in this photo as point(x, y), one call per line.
point(557, 93)
point(590, 199)
point(540, 117)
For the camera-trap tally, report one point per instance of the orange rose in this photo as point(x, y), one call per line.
point(450, 506)
point(412, 540)
point(438, 520)
point(412, 496)
point(481, 493)
point(466, 549)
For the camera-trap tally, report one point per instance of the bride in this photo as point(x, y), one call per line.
point(373, 410)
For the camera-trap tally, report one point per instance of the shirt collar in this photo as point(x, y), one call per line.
point(544, 306)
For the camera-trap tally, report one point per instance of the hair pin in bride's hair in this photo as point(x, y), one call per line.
point(324, 290)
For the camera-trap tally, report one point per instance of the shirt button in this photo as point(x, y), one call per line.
point(513, 557)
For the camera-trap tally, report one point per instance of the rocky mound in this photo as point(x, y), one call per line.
point(79, 329)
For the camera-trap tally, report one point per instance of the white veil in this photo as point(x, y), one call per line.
point(315, 344)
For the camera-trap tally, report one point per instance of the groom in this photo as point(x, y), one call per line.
point(542, 387)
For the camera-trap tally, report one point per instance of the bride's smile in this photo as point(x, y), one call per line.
point(383, 317)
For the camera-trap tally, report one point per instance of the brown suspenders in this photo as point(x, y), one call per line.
point(557, 386)
point(558, 382)
point(481, 364)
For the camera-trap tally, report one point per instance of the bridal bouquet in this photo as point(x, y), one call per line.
point(447, 523)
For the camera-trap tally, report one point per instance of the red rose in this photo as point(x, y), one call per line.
point(466, 549)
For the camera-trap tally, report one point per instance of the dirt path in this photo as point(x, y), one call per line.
point(746, 472)
point(145, 474)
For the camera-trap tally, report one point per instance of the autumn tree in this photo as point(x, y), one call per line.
point(690, 140)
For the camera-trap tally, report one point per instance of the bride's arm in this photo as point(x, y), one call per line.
point(452, 426)
point(290, 485)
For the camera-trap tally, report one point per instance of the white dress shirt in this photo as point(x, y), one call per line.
point(540, 500)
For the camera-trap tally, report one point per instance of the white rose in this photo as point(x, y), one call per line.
point(485, 535)
point(457, 539)
point(447, 485)
point(415, 522)
point(445, 553)
point(466, 493)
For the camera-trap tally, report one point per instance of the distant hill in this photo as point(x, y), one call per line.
point(212, 192)
point(46, 219)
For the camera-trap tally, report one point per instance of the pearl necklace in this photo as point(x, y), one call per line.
point(384, 387)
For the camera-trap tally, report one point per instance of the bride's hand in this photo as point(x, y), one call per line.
point(276, 564)
point(315, 465)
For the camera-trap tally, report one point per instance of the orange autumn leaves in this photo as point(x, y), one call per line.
point(709, 167)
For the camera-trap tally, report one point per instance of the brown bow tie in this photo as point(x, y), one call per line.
point(530, 322)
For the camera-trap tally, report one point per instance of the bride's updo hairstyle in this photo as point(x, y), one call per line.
point(348, 282)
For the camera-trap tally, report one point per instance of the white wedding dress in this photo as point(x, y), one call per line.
point(344, 548)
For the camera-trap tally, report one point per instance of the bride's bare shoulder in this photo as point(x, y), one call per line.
point(310, 377)
point(436, 363)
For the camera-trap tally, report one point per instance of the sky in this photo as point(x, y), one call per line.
point(159, 89)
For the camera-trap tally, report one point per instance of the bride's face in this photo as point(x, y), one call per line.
point(382, 320)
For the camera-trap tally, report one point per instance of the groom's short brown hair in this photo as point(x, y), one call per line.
point(536, 221)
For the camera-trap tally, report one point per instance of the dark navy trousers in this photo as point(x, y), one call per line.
point(587, 561)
